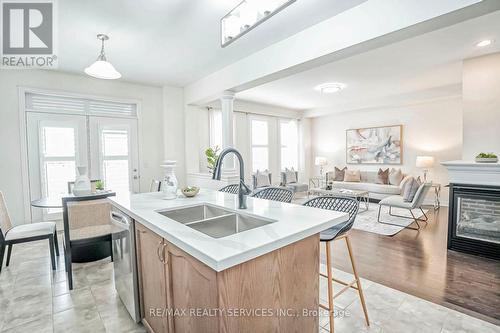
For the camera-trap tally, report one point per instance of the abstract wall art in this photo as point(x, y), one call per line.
point(374, 145)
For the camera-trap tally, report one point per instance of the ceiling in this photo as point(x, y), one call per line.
point(421, 68)
point(172, 42)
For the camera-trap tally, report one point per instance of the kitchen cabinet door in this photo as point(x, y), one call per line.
point(152, 282)
point(192, 292)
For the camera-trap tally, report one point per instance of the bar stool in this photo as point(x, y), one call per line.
point(274, 193)
point(232, 188)
point(339, 232)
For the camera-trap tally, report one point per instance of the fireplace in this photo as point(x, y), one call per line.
point(474, 219)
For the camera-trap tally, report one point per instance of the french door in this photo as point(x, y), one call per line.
point(58, 143)
point(113, 153)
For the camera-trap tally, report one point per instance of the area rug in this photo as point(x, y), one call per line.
point(367, 219)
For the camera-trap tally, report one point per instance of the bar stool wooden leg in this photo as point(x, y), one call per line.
point(358, 282)
point(330, 284)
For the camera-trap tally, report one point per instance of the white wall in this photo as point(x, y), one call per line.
point(432, 128)
point(173, 130)
point(151, 131)
point(481, 100)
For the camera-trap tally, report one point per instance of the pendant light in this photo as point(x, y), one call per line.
point(101, 68)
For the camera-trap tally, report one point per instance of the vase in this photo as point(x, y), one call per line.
point(82, 182)
point(169, 184)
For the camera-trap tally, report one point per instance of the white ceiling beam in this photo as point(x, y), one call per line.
point(372, 24)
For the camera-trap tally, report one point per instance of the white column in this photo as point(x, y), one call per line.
point(227, 107)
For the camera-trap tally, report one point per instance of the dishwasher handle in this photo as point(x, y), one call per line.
point(119, 218)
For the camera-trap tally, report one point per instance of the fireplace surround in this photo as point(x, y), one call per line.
point(474, 219)
point(474, 208)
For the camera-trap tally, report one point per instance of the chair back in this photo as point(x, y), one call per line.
point(233, 188)
point(5, 221)
point(345, 205)
point(155, 185)
point(285, 181)
point(255, 181)
point(93, 184)
point(85, 211)
point(274, 193)
point(419, 198)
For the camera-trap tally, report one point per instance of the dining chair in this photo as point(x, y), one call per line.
point(338, 232)
point(29, 232)
point(232, 188)
point(274, 193)
point(87, 222)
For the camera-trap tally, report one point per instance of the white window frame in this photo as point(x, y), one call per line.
point(281, 121)
point(268, 120)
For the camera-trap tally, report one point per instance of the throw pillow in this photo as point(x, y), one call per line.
point(262, 179)
point(290, 175)
point(410, 189)
point(395, 176)
point(339, 174)
point(352, 176)
point(383, 176)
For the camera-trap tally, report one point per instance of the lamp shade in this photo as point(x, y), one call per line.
point(102, 69)
point(320, 161)
point(425, 161)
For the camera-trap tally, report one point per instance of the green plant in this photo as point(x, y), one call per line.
point(212, 157)
point(486, 155)
point(99, 185)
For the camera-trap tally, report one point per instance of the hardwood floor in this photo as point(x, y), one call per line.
point(418, 263)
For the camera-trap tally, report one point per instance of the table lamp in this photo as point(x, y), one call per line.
point(321, 162)
point(425, 162)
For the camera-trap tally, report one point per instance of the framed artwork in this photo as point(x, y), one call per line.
point(374, 145)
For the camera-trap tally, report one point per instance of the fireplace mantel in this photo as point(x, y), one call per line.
point(473, 173)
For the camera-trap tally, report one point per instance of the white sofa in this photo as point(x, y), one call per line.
point(368, 183)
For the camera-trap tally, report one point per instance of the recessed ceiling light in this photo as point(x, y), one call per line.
point(330, 87)
point(484, 43)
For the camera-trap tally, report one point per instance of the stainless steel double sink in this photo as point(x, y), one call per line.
point(214, 221)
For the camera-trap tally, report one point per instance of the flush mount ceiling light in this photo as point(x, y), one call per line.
point(484, 43)
point(330, 87)
point(101, 68)
point(247, 15)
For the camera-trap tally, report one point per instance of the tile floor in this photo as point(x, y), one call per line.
point(35, 299)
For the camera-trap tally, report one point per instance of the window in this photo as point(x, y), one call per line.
point(115, 160)
point(289, 144)
point(57, 160)
point(260, 145)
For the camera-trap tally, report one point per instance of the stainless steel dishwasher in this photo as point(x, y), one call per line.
point(124, 262)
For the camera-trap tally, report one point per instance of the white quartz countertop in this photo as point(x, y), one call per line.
point(293, 223)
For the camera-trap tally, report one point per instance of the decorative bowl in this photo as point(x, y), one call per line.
point(487, 160)
point(190, 191)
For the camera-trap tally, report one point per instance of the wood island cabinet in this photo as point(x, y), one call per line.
point(178, 293)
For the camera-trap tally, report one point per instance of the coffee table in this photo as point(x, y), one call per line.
point(362, 196)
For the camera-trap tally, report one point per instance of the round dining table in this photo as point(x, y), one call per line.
point(47, 202)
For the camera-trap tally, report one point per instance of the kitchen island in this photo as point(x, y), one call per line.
point(206, 266)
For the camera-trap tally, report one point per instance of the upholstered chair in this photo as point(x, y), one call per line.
point(397, 201)
point(29, 232)
point(86, 222)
